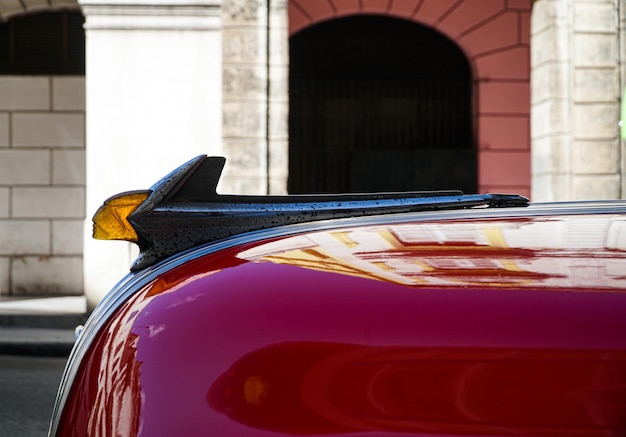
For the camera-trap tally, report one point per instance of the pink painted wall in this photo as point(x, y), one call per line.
point(495, 37)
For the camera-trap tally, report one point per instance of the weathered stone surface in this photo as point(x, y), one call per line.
point(279, 83)
point(549, 117)
point(279, 119)
point(575, 98)
point(244, 82)
point(549, 81)
point(551, 154)
point(246, 170)
point(248, 186)
point(596, 85)
point(67, 237)
point(22, 237)
point(594, 50)
point(24, 167)
point(49, 129)
point(551, 187)
point(550, 45)
point(595, 157)
point(247, 106)
point(68, 93)
point(4, 202)
point(279, 46)
point(278, 166)
point(548, 14)
point(243, 119)
point(68, 167)
point(623, 168)
point(4, 130)
point(594, 17)
point(244, 157)
point(595, 121)
point(242, 45)
point(49, 275)
point(24, 93)
point(5, 275)
point(243, 11)
point(595, 187)
point(42, 139)
point(48, 202)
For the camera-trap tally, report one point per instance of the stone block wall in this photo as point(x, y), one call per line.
point(244, 94)
point(255, 96)
point(42, 184)
point(622, 77)
point(576, 87)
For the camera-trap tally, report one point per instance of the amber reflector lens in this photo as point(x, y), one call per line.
point(110, 221)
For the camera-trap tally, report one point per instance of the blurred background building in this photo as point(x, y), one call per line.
point(301, 96)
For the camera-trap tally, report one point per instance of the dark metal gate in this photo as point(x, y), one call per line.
point(380, 135)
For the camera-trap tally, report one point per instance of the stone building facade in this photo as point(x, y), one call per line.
point(255, 96)
point(578, 56)
point(42, 184)
point(547, 76)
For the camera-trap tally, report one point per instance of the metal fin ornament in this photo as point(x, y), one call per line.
point(183, 210)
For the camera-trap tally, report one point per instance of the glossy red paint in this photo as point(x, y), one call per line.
point(328, 388)
point(457, 328)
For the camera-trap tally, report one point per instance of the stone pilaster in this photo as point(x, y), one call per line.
point(278, 132)
point(550, 122)
point(622, 87)
point(255, 48)
point(595, 100)
point(575, 100)
point(245, 96)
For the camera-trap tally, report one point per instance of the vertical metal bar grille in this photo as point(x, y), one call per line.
point(368, 135)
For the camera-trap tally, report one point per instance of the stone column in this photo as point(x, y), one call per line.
point(153, 92)
point(622, 86)
point(256, 97)
point(550, 121)
point(575, 100)
point(278, 96)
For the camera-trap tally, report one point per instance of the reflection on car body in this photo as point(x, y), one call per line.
point(491, 317)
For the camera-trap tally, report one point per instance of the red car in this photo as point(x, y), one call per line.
point(436, 314)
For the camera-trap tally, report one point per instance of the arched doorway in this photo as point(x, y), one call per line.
point(389, 109)
point(48, 42)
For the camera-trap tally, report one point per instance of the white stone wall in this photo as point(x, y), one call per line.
point(42, 184)
point(576, 93)
point(153, 88)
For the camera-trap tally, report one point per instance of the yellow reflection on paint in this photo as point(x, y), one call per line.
point(254, 390)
